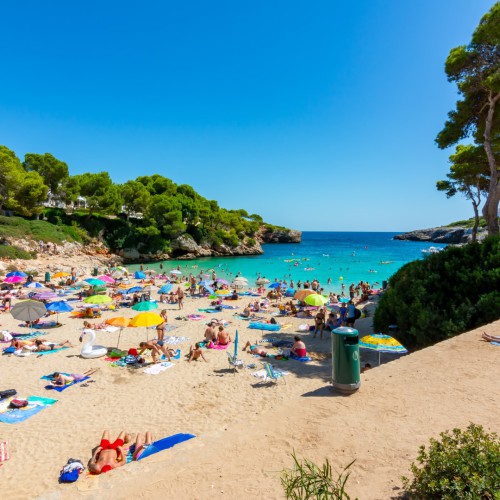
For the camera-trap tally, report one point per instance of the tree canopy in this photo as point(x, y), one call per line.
point(475, 68)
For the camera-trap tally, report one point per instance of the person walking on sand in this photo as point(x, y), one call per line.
point(319, 323)
point(107, 455)
point(180, 297)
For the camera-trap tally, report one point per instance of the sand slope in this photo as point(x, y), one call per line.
point(245, 430)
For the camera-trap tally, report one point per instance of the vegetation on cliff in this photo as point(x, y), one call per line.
point(444, 294)
point(146, 214)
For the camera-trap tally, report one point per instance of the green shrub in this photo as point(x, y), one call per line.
point(464, 464)
point(443, 295)
point(306, 480)
point(251, 242)
point(11, 252)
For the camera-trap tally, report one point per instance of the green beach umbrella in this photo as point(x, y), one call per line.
point(98, 299)
point(145, 305)
point(315, 300)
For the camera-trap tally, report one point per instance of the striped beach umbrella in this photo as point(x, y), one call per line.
point(382, 343)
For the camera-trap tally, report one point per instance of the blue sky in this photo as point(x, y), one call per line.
point(317, 115)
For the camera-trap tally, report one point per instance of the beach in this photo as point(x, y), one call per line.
point(245, 430)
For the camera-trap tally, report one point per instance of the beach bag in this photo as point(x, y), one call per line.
point(5, 336)
point(130, 360)
point(357, 313)
point(7, 393)
point(18, 403)
point(9, 350)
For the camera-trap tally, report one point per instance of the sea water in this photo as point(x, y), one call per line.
point(342, 257)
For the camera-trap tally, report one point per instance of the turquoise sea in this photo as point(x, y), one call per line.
point(346, 257)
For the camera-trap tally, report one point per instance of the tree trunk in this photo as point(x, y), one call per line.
point(490, 209)
point(476, 221)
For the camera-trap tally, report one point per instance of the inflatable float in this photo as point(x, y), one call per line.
point(89, 350)
point(270, 327)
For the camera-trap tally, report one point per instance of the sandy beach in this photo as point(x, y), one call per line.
point(245, 430)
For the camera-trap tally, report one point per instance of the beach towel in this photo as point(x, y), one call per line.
point(224, 306)
point(195, 317)
point(303, 359)
point(209, 310)
point(161, 445)
point(28, 336)
point(220, 347)
point(158, 368)
point(265, 326)
point(495, 343)
point(177, 355)
point(62, 387)
point(244, 318)
point(43, 353)
point(15, 416)
point(4, 452)
point(45, 324)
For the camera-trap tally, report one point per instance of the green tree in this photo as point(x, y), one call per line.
point(100, 192)
point(69, 190)
point(30, 195)
point(52, 170)
point(136, 197)
point(475, 69)
point(11, 175)
point(469, 175)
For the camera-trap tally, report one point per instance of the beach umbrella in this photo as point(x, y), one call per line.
point(59, 306)
point(315, 300)
point(119, 321)
point(236, 339)
point(98, 299)
point(382, 343)
point(45, 296)
point(208, 289)
point(35, 284)
point(95, 282)
point(290, 292)
point(302, 294)
point(145, 305)
point(20, 274)
point(262, 281)
point(122, 291)
point(240, 278)
point(165, 288)
point(134, 289)
point(28, 310)
point(139, 275)
point(13, 279)
point(175, 271)
point(146, 319)
point(222, 281)
point(344, 300)
point(61, 274)
point(81, 284)
point(106, 279)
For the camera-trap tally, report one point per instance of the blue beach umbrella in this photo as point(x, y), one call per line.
point(236, 339)
point(274, 285)
point(34, 284)
point(20, 274)
point(134, 289)
point(139, 275)
point(344, 300)
point(205, 283)
point(59, 306)
point(165, 288)
point(290, 292)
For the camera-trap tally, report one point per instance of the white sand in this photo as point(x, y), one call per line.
point(245, 430)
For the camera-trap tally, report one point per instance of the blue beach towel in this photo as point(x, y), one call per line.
point(265, 326)
point(160, 445)
point(28, 336)
point(64, 387)
point(495, 343)
point(15, 416)
point(304, 359)
point(177, 355)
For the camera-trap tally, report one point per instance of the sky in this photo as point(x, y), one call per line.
point(316, 115)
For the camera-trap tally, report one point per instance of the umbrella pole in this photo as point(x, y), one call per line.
point(379, 353)
point(119, 335)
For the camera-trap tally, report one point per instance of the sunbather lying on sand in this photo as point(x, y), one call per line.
point(40, 346)
point(58, 379)
point(108, 456)
point(94, 326)
point(142, 444)
point(196, 353)
point(491, 338)
point(255, 349)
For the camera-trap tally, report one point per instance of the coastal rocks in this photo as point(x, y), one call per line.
point(445, 234)
point(183, 245)
point(275, 235)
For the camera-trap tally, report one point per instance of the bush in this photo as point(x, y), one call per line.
point(307, 481)
point(11, 252)
point(443, 295)
point(464, 464)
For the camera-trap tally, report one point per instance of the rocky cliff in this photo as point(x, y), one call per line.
point(274, 235)
point(446, 234)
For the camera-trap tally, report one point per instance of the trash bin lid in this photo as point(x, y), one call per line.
point(347, 331)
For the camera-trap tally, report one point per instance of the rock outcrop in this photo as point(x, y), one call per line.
point(445, 234)
point(269, 235)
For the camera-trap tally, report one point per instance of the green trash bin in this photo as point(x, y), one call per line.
point(95, 272)
point(345, 363)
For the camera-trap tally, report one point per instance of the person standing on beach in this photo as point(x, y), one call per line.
point(351, 314)
point(180, 297)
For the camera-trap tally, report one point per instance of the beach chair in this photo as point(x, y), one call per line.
point(234, 363)
point(271, 374)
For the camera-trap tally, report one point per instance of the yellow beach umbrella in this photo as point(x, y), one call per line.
point(61, 274)
point(146, 319)
point(315, 300)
